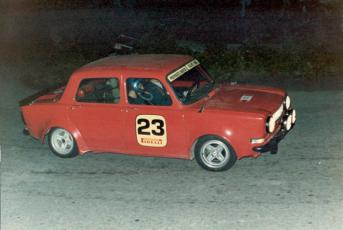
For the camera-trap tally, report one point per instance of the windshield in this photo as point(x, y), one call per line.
point(192, 85)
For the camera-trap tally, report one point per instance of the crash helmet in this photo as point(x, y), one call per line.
point(132, 83)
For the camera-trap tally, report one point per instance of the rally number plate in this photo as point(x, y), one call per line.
point(151, 130)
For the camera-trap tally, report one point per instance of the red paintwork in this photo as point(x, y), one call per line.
point(111, 127)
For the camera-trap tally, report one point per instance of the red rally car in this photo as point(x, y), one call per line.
point(160, 106)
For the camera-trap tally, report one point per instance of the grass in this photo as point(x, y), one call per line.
point(49, 66)
point(311, 63)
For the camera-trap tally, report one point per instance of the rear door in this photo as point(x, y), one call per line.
point(98, 114)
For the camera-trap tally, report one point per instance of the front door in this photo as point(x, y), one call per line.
point(154, 126)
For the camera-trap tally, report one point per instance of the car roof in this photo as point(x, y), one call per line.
point(159, 63)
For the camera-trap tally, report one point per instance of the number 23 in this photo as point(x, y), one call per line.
point(156, 126)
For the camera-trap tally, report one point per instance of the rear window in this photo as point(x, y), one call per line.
point(98, 90)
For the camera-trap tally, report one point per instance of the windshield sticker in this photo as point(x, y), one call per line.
point(171, 77)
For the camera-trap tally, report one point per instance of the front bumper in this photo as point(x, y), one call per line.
point(272, 145)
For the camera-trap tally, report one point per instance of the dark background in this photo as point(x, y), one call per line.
point(290, 43)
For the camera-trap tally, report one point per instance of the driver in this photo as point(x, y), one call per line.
point(135, 88)
point(147, 91)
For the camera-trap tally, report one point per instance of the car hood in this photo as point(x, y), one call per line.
point(246, 98)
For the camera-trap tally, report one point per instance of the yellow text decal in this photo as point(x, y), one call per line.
point(174, 75)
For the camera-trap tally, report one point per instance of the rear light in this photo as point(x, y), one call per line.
point(22, 118)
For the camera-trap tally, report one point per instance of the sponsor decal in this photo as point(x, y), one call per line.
point(176, 74)
point(151, 141)
point(151, 130)
point(246, 98)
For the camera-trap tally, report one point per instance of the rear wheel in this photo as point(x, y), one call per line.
point(214, 154)
point(62, 143)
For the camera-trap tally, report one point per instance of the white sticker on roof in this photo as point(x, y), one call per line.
point(177, 73)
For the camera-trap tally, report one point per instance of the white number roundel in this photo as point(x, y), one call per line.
point(151, 130)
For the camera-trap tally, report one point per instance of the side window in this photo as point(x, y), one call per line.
point(147, 91)
point(98, 90)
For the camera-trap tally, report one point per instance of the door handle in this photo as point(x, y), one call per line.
point(133, 108)
point(130, 108)
point(73, 107)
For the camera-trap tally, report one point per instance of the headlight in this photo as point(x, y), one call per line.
point(270, 124)
point(294, 116)
point(287, 123)
point(287, 102)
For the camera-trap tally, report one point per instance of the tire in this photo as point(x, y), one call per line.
point(62, 143)
point(214, 154)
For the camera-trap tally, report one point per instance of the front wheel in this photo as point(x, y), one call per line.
point(214, 154)
point(62, 143)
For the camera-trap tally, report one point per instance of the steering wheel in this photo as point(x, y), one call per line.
point(192, 89)
point(146, 97)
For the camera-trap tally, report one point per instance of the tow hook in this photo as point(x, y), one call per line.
point(26, 131)
point(274, 149)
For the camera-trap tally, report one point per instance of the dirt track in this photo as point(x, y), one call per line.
point(300, 188)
